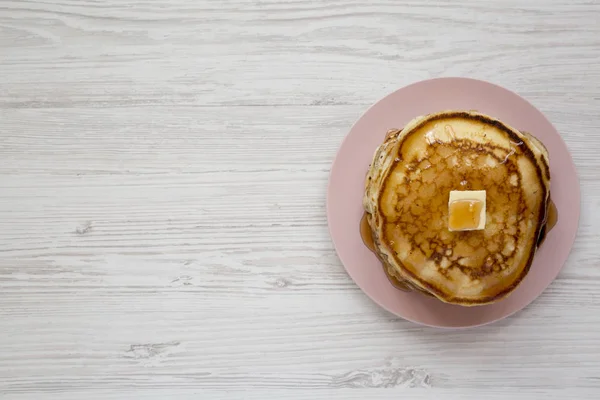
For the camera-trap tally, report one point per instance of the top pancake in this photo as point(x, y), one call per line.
point(407, 193)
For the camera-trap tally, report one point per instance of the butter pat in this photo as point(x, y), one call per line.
point(466, 210)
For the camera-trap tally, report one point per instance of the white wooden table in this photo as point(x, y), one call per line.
point(163, 167)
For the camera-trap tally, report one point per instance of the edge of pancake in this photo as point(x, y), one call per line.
point(381, 166)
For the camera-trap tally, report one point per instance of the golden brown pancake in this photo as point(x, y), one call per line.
point(406, 201)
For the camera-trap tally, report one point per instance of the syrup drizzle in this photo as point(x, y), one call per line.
point(551, 220)
point(367, 238)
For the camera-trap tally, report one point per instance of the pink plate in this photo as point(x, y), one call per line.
point(346, 185)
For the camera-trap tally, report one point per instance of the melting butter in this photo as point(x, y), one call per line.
point(466, 210)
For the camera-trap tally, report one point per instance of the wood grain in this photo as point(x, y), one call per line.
point(162, 187)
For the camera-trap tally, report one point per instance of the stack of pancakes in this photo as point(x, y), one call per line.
point(406, 204)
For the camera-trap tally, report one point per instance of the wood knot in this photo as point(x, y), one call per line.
point(281, 283)
point(84, 228)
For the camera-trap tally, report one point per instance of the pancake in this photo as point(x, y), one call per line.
point(406, 201)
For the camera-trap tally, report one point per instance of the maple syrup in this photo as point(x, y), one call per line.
point(552, 216)
point(551, 221)
point(367, 238)
point(365, 233)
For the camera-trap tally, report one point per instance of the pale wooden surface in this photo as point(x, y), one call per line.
point(163, 172)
